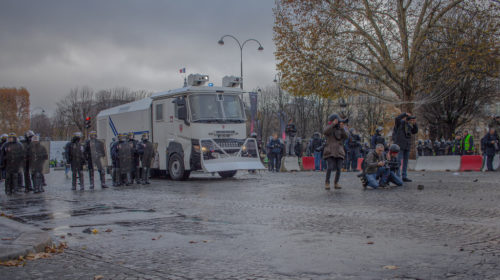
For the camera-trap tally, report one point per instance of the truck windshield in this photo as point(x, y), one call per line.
point(216, 108)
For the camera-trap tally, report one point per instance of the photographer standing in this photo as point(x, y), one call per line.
point(334, 153)
point(405, 125)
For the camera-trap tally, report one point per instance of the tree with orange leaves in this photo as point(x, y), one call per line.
point(14, 110)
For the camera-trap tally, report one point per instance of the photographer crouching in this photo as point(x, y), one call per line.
point(334, 152)
point(382, 169)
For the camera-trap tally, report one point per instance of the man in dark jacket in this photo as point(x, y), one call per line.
point(491, 147)
point(27, 151)
point(114, 161)
point(76, 158)
point(354, 149)
point(291, 132)
point(124, 155)
point(134, 170)
point(3, 140)
point(316, 149)
point(146, 156)
point(275, 148)
point(405, 125)
point(12, 156)
point(377, 138)
point(94, 152)
point(420, 148)
point(38, 158)
point(456, 148)
point(298, 147)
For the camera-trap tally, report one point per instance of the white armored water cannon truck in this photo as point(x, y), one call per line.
point(195, 128)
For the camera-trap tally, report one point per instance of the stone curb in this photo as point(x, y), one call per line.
point(29, 240)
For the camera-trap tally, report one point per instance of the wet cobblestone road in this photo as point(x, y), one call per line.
point(268, 226)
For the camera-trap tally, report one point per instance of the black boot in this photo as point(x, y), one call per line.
point(102, 177)
point(91, 178)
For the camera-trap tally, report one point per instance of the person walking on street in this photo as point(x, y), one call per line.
point(11, 159)
point(491, 147)
point(405, 125)
point(290, 132)
point(94, 152)
point(275, 151)
point(334, 152)
point(76, 158)
point(27, 151)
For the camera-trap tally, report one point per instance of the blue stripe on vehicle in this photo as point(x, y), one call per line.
point(112, 125)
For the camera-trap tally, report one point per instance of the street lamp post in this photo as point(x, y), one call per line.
point(260, 48)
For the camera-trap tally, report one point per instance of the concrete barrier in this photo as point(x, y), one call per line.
point(291, 164)
point(438, 163)
point(471, 163)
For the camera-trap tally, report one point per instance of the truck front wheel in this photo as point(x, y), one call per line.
point(176, 168)
point(227, 174)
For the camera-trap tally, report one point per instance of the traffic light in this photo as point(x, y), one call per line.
point(88, 122)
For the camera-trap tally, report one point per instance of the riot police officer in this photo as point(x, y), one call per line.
point(94, 152)
point(123, 154)
point(420, 148)
point(26, 167)
point(3, 140)
point(354, 149)
point(428, 148)
point(134, 171)
point(75, 156)
point(146, 156)
point(12, 156)
point(377, 138)
point(38, 157)
point(114, 161)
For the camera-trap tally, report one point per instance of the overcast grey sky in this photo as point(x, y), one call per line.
point(52, 46)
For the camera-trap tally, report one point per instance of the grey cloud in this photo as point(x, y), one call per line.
point(52, 46)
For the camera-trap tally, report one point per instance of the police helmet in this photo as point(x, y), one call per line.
point(333, 117)
point(420, 141)
point(29, 134)
point(316, 134)
point(4, 136)
point(12, 137)
point(77, 135)
point(93, 134)
point(145, 136)
point(394, 148)
point(379, 129)
point(253, 135)
point(131, 135)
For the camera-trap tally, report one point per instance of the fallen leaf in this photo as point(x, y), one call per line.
point(192, 242)
point(95, 231)
point(98, 277)
point(391, 267)
point(370, 242)
point(108, 230)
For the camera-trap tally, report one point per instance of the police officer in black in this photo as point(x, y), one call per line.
point(146, 156)
point(134, 170)
point(123, 153)
point(11, 159)
point(114, 161)
point(26, 167)
point(3, 140)
point(428, 148)
point(38, 157)
point(291, 132)
point(354, 149)
point(420, 148)
point(377, 138)
point(76, 158)
point(94, 151)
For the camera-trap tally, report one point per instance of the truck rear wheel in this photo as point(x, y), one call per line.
point(176, 168)
point(227, 174)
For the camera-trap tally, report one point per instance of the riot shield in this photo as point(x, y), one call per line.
point(124, 157)
point(98, 154)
